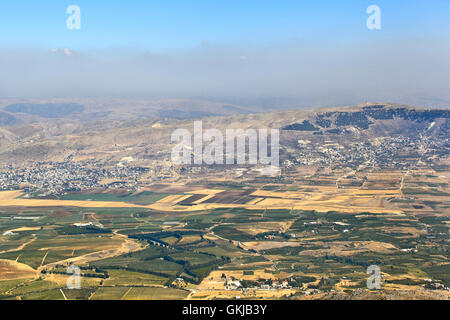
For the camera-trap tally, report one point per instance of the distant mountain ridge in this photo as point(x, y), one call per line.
point(365, 117)
point(48, 110)
point(7, 119)
point(111, 109)
point(149, 138)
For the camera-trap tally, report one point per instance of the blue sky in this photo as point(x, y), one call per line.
point(182, 24)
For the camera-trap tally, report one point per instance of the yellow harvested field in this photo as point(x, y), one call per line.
point(10, 270)
point(249, 294)
point(25, 229)
point(172, 200)
point(350, 201)
point(347, 248)
point(262, 227)
point(266, 245)
point(190, 239)
point(285, 195)
point(65, 203)
point(4, 195)
point(206, 191)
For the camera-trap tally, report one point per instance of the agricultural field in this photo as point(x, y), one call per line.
point(256, 241)
point(138, 293)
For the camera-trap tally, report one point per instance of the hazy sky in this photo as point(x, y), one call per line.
point(314, 51)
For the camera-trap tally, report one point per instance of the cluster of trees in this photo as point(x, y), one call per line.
point(156, 237)
point(93, 272)
point(199, 271)
point(73, 230)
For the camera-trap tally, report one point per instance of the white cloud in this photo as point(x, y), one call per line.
point(67, 52)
